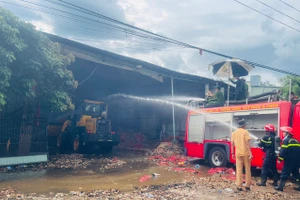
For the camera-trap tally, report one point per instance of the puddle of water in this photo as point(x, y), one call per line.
point(42, 182)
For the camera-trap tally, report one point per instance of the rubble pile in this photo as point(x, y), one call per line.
point(112, 163)
point(72, 161)
point(203, 188)
point(8, 193)
point(167, 149)
point(136, 141)
point(21, 168)
point(170, 155)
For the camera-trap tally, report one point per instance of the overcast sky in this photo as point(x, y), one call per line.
point(219, 25)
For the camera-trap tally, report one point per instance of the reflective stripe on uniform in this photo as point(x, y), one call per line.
point(267, 142)
point(290, 145)
point(280, 158)
point(293, 140)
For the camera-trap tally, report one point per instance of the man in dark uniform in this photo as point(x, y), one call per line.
point(239, 88)
point(245, 89)
point(289, 153)
point(269, 165)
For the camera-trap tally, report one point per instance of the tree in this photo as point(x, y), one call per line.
point(285, 84)
point(32, 68)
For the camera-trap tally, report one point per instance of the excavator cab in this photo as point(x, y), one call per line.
point(94, 109)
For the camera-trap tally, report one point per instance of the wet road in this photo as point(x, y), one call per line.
point(124, 178)
point(54, 183)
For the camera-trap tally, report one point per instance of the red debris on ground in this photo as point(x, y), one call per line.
point(145, 178)
point(221, 170)
point(170, 155)
point(168, 161)
point(227, 173)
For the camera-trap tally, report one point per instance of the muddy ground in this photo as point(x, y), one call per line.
point(124, 174)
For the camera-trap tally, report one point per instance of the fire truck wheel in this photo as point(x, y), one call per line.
point(217, 157)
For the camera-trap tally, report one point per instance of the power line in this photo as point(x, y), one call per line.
point(124, 30)
point(290, 5)
point(121, 23)
point(176, 41)
point(135, 33)
point(89, 31)
point(278, 11)
point(166, 39)
point(291, 27)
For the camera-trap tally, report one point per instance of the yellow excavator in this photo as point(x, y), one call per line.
point(87, 128)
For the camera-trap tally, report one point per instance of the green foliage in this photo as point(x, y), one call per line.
point(32, 67)
point(285, 83)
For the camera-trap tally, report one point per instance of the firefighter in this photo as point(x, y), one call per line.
point(269, 165)
point(245, 90)
point(289, 153)
point(239, 94)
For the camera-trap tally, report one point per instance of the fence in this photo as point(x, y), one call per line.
point(23, 141)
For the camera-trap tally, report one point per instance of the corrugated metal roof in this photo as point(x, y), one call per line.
point(134, 62)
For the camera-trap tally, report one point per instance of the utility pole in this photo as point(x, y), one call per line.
point(173, 109)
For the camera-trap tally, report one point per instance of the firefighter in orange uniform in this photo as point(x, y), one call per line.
point(289, 153)
point(269, 165)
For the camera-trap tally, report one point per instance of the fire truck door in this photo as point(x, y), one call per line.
point(196, 128)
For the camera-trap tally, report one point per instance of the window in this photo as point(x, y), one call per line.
point(94, 109)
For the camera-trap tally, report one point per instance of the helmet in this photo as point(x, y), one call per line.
point(287, 129)
point(270, 128)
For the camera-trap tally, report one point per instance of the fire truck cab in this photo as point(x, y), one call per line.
point(208, 131)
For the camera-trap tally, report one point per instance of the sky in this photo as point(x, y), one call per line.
point(219, 25)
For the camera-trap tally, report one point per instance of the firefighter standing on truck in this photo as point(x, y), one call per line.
point(269, 165)
point(241, 89)
point(289, 153)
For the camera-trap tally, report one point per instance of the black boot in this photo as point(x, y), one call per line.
point(281, 186)
point(275, 182)
point(263, 181)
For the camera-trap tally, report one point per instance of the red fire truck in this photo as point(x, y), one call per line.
point(208, 130)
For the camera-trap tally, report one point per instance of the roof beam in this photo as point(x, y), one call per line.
point(102, 59)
